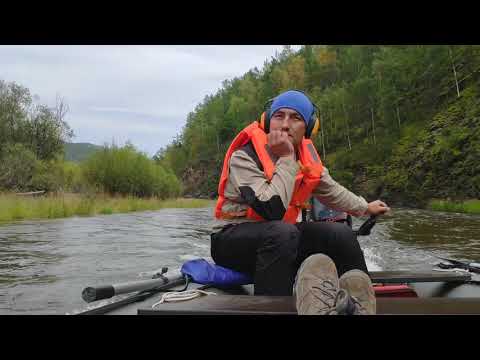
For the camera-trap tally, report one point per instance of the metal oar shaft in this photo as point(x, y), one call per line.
point(134, 298)
point(91, 293)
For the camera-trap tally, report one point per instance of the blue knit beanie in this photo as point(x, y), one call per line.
point(295, 100)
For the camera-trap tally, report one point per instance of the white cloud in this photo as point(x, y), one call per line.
point(144, 92)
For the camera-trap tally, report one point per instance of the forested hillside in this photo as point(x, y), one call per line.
point(399, 122)
point(79, 151)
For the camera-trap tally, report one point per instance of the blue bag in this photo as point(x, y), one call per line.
point(203, 272)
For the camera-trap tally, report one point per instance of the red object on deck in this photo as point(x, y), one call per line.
point(394, 291)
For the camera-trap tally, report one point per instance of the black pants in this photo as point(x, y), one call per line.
point(272, 251)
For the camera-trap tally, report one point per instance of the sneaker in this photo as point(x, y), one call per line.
point(344, 304)
point(316, 286)
point(359, 286)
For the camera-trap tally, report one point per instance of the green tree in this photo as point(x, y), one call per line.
point(40, 128)
point(18, 167)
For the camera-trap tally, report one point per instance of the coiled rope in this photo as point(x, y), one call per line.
point(174, 296)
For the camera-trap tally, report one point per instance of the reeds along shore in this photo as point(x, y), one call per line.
point(468, 206)
point(13, 207)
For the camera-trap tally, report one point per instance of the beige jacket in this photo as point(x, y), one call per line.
point(247, 185)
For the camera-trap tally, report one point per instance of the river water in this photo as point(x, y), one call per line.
point(44, 265)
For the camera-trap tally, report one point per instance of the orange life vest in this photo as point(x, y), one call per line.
point(306, 180)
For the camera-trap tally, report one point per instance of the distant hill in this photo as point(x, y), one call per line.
point(79, 151)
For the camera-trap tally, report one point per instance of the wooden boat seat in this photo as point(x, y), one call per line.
point(284, 305)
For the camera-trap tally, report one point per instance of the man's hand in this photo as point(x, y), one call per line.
point(280, 144)
point(377, 207)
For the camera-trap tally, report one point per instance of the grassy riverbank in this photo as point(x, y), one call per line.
point(469, 206)
point(14, 208)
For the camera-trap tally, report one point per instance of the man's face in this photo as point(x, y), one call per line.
point(290, 121)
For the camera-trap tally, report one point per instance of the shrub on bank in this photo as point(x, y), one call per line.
point(18, 167)
point(73, 180)
point(22, 171)
point(126, 171)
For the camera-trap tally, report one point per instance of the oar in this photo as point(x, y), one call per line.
point(142, 295)
point(95, 293)
point(367, 226)
point(473, 267)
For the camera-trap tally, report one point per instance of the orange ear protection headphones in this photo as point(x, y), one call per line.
point(313, 124)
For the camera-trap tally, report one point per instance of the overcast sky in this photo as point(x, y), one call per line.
point(137, 93)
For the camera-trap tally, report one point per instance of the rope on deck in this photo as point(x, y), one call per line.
point(174, 296)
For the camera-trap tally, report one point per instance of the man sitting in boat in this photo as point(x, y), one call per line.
point(270, 171)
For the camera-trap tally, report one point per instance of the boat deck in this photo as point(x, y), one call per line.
point(438, 293)
point(284, 305)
